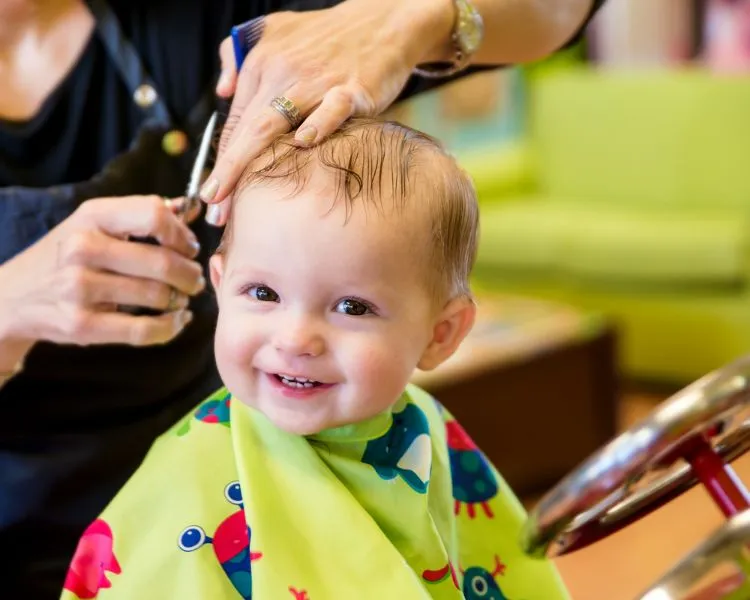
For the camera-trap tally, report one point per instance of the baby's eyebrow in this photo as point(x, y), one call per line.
point(248, 270)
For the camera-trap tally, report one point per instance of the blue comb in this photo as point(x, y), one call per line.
point(244, 38)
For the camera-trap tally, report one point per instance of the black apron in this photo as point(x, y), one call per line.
point(77, 422)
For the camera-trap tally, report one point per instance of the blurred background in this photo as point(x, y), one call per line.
point(615, 255)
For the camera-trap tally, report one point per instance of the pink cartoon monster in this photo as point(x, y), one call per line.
point(93, 557)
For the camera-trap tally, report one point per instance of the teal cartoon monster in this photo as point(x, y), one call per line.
point(480, 584)
point(474, 483)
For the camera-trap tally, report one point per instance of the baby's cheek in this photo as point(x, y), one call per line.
point(382, 366)
point(233, 344)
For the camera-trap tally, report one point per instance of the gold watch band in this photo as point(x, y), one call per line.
point(468, 30)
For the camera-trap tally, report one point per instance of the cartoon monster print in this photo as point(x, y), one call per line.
point(405, 450)
point(93, 557)
point(473, 479)
point(213, 410)
point(480, 584)
point(231, 542)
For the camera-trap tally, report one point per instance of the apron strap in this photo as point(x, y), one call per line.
point(126, 59)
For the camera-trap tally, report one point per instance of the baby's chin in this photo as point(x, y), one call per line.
point(297, 426)
point(295, 422)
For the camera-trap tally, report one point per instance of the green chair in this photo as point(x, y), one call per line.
point(638, 206)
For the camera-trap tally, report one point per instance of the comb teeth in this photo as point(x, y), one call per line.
point(244, 37)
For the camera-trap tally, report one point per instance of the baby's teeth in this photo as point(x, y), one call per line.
point(297, 383)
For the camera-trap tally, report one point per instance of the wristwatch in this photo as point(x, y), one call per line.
point(467, 36)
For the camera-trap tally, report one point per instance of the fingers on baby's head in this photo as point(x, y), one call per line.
point(392, 168)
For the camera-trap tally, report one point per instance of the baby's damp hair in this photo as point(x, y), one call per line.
point(373, 161)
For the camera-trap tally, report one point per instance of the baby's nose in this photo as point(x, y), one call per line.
point(298, 337)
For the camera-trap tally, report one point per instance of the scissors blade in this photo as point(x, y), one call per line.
point(193, 188)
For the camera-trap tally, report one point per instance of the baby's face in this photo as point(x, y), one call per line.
point(322, 322)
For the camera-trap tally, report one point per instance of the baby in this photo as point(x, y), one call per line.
point(320, 473)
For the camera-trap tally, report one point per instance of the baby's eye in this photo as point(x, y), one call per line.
point(353, 307)
point(262, 293)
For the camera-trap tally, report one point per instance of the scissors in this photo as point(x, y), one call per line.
point(244, 38)
point(192, 193)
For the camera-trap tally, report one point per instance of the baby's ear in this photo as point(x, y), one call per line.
point(451, 327)
point(216, 270)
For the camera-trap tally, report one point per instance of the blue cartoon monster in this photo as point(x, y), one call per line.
point(231, 543)
point(405, 450)
point(480, 584)
point(473, 479)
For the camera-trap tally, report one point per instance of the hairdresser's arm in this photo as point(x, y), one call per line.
point(516, 31)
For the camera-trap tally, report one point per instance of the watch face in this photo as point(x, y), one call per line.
point(470, 27)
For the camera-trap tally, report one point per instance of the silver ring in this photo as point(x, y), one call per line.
point(288, 110)
point(172, 303)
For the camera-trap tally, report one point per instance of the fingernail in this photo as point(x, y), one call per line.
point(184, 317)
point(306, 135)
point(209, 189)
point(213, 214)
point(201, 283)
point(196, 246)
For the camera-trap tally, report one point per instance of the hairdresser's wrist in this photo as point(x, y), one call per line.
point(432, 22)
point(418, 31)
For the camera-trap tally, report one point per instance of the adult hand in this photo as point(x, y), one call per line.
point(67, 286)
point(351, 59)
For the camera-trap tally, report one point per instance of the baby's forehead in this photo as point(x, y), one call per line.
point(316, 215)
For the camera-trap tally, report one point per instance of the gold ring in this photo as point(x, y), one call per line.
point(172, 303)
point(288, 110)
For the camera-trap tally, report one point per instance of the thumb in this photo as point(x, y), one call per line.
point(228, 77)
